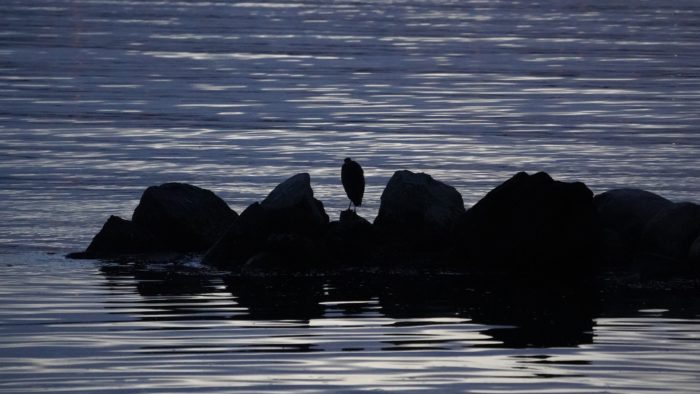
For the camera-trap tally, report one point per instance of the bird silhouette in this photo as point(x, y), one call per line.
point(353, 178)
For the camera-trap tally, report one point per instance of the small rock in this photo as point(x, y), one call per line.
point(118, 236)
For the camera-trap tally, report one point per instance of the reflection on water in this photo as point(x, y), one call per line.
point(178, 327)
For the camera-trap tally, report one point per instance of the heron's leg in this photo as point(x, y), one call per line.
point(349, 205)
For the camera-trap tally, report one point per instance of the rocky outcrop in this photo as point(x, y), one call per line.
point(417, 209)
point(282, 230)
point(172, 217)
point(529, 224)
point(623, 214)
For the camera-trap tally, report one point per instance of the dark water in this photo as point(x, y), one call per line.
point(100, 99)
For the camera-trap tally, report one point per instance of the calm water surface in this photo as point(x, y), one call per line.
point(100, 99)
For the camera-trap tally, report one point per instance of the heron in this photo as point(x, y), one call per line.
point(353, 178)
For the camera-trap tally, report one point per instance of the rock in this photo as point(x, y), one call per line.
point(284, 253)
point(529, 224)
point(243, 239)
point(694, 254)
point(351, 239)
point(669, 238)
point(416, 207)
point(172, 217)
point(290, 212)
point(117, 236)
point(622, 215)
point(293, 208)
point(183, 217)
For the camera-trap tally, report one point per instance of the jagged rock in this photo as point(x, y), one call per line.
point(290, 210)
point(622, 215)
point(183, 217)
point(416, 207)
point(529, 224)
point(669, 238)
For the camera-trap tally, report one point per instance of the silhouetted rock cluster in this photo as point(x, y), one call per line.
point(529, 225)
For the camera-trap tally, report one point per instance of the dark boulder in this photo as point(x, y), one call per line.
point(172, 217)
point(284, 253)
point(418, 209)
point(118, 236)
point(669, 240)
point(623, 214)
point(286, 224)
point(183, 217)
point(351, 239)
point(529, 224)
point(293, 209)
point(243, 239)
point(694, 254)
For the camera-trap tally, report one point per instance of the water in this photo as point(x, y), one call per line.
point(100, 99)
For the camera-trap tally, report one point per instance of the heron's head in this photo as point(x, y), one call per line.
point(348, 160)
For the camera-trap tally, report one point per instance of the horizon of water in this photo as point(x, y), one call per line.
point(100, 99)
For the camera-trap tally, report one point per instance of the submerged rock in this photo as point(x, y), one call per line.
point(290, 212)
point(529, 224)
point(416, 207)
point(623, 214)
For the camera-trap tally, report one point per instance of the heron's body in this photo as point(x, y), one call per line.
point(353, 178)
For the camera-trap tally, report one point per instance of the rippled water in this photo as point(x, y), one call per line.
point(110, 327)
point(101, 98)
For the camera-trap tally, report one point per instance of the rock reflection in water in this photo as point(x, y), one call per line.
point(513, 315)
